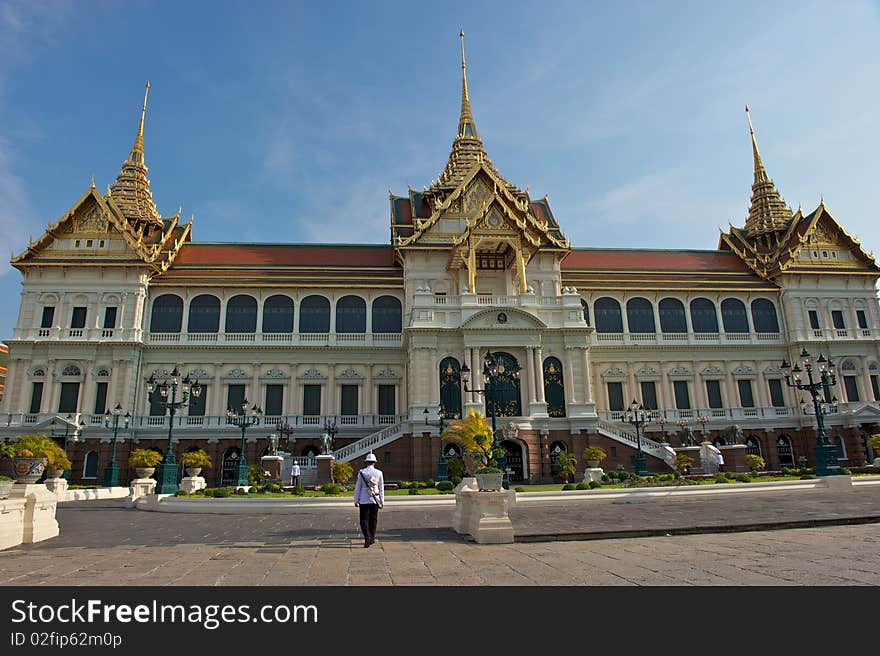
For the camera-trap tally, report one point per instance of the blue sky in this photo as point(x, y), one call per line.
point(289, 122)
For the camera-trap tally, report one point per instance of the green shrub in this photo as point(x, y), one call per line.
point(430, 483)
point(623, 474)
point(445, 485)
point(721, 478)
point(418, 484)
point(606, 478)
point(788, 471)
point(404, 485)
point(181, 493)
point(569, 486)
point(666, 477)
point(455, 480)
point(519, 489)
point(221, 493)
point(330, 488)
point(413, 490)
point(261, 489)
point(845, 471)
point(341, 472)
point(743, 478)
point(805, 477)
point(595, 484)
point(274, 487)
point(298, 490)
point(754, 461)
point(254, 474)
point(582, 486)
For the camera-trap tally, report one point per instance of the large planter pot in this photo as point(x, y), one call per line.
point(489, 482)
point(28, 470)
point(192, 472)
point(592, 464)
point(6, 488)
point(56, 473)
point(144, 472)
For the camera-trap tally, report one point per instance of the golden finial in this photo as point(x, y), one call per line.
point(139, 139)
point(466, 127)
point(759, 165)
point(92, 184)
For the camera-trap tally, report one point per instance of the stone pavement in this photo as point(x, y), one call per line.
point(739, 538)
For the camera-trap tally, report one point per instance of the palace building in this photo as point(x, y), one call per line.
point(370, 343)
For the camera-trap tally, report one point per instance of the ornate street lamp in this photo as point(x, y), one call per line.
point(240, 417)
point(636, 415)
point(703, 419)
point(442, 464)
point(662, 421)
point(69, 421)
point(493, 370)
point(164, 394)
point(111, 471)
point(825, 452)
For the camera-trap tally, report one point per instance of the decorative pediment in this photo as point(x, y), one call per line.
point(313, 374)
point(350, 374)
point(387, 374)
point(647, 372)
point(274, 372)
point(743, 370)
point(680, 371)
point(614, 372)
point(236, 373)
point(506, 319)
point(712, 370)
point(197, 374)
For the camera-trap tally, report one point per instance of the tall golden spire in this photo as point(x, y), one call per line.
point(768, 213)
point(131, 191)
point(467, 148)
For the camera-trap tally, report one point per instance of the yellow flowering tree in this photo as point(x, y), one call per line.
point(474, 435)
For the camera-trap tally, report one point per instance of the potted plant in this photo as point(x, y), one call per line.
point(565, 466)
point(144, 462)
point(594, 455)
point(193, 461)
point(475, 438)
point(32, 455)
point(754, 461)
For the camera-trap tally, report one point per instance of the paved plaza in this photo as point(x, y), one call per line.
point(775, 538)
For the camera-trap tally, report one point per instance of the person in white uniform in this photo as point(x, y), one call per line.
point(294, 473)
point(369, 496)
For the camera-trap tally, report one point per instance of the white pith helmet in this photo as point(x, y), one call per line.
point(371, 457)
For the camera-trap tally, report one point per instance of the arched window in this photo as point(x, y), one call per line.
point(555, 449)
point(71, 370)
point(753, 446)
point(672, 319)
point(840, 447)
point(764, 316)
point(90, 465)
point(450, 386)
point(204, 314)
point(314, 315)
point(703, 316)
point(505, 388)
point(733, 314)
point(608, 316)
point(229, 467)
point(167, 314)
point(278, 314)
point(351, 315)
point(783, 451)
point(640, 316)
point(586, 309)
point(554, 387)
point(387, 315)
point(241, 314)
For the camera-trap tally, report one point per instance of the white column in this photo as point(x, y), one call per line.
point(435, 378)
point(47, 404)
point(588, 392)
point(331, 403)
point(631, 381)
point(539, 374)
point(256, 391)
point(530, 367)
point(87, 394)
point(569, 356)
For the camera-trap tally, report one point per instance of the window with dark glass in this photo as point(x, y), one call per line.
point(764, 316)
point(314, 315)
point(204, 314)
point(615, 396)
point(862, 318)
point(241, 314)
point(746, 400)
point(608, 316)
point(78, 318)
point(875, 387)
point(672, 319)
point(235, 397)
point(387, 316)
point(713, 393)
point(69, 397)
point(167, 316)
point(351, 315)
point(733, 315)
point(157, 408)
point(311, 400)
point(649, 394)
point(90, 466)
point(36, 397)
point(852, 389)
point(48, 317)
point(387, 405)
point(837, 319)
point(278, 314)
point(640, 315)
point(199, 403)
point(682, 396)
point(704, 319)
point(274, 400)
point(101, 398)
point(814, 319)
point(777, 400)
point(110, 317)
point(349, 394)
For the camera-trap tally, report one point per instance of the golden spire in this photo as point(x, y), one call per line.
point(466, 127)
point(131, 191)
point(768, 213)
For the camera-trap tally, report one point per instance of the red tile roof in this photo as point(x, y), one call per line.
point(298, 255)
point(650, 260)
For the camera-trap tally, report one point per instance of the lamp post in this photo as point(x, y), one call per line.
point(67, 423)
point(442, 465)
point(703, 419)
point(166, 471)
point(284, 432)
point(111, 471)
point(493, 369)
point(636, 415)
point(825, 453)
point(240, 417)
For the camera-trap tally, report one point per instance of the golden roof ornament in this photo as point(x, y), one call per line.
point(768, 213)
point(131, 191)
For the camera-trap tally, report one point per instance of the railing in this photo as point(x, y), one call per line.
point(368, 443)
point(686, 338)
point(649, 446)
point(716, 415)
point(307, 421)
point(304, 339)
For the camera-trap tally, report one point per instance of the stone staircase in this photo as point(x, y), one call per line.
point(369, 443)
point(650, 447)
